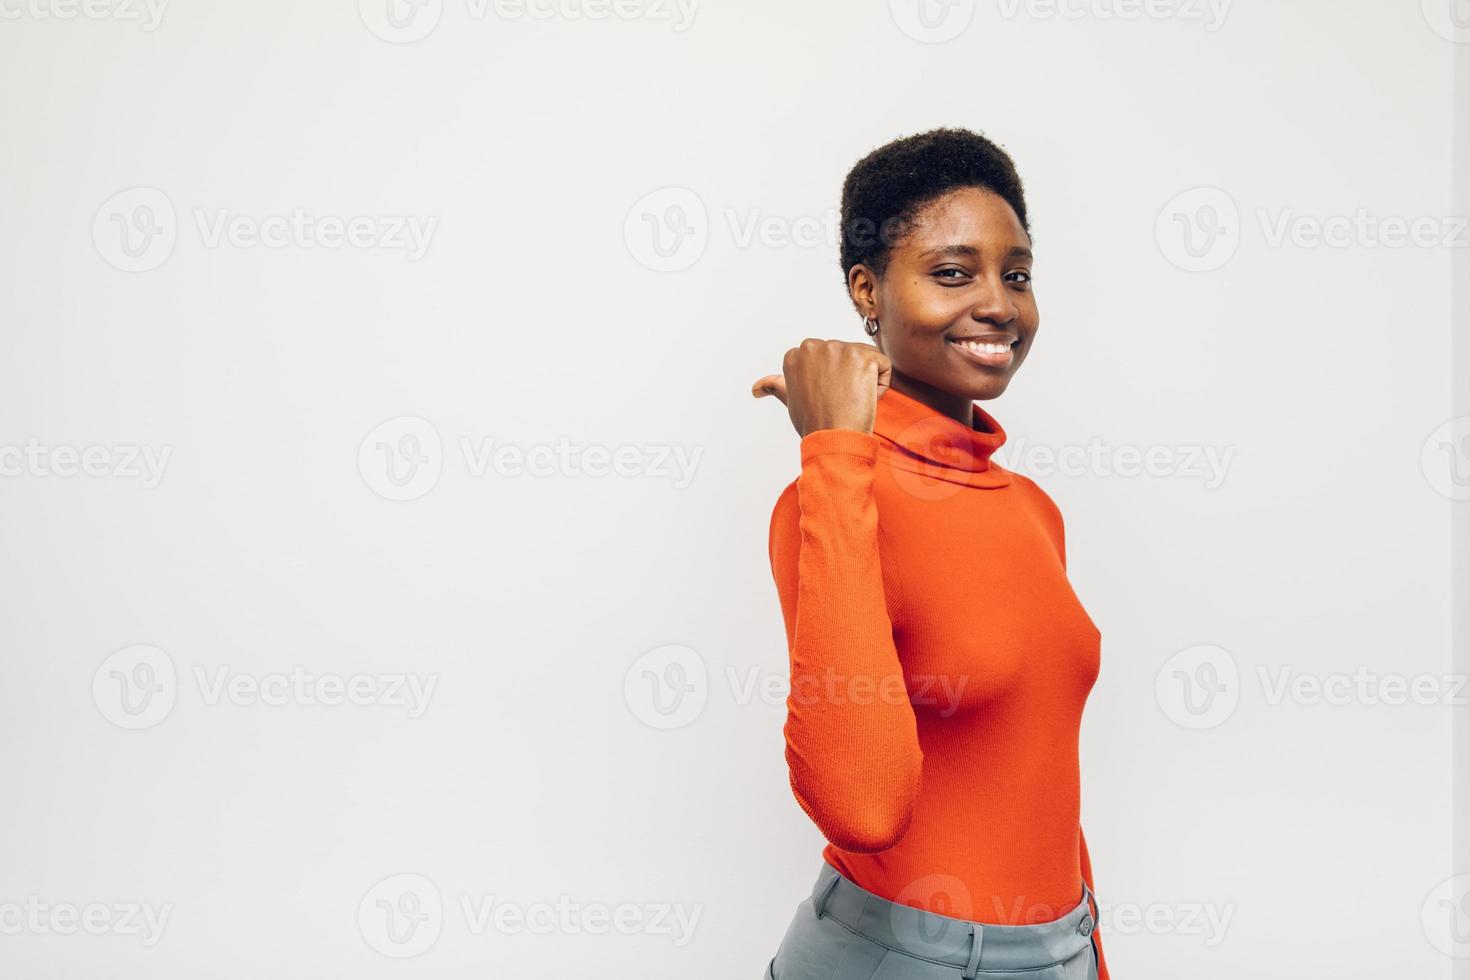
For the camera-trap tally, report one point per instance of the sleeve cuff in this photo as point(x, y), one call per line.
point(824, 442)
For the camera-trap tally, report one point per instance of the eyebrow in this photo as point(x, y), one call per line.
point(970, 251)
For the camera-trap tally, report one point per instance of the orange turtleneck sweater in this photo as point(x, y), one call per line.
point(940, 662)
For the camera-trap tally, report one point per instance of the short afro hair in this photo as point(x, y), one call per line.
point(887, 189)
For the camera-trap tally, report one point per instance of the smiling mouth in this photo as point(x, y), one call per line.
point(996, 351)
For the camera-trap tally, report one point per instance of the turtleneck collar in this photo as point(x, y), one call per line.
point(923, 440)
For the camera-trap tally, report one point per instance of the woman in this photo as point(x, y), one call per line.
point(940, 660)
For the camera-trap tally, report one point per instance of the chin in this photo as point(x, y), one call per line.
point(984, 390)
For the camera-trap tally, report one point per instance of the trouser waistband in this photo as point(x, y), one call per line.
point(972, 946)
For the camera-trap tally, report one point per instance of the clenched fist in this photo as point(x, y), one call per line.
point(829, 384)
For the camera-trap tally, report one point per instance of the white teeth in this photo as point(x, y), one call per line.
point(984, 347)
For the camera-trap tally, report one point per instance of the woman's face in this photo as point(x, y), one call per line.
point(955, 308)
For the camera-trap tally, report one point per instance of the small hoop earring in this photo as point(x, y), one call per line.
point(870, 325)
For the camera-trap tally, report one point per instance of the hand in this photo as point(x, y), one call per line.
point(829, 384)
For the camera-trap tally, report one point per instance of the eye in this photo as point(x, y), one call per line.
point(961, 274)
point(1023, 274)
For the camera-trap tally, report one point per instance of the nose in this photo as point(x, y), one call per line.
point(993, 303)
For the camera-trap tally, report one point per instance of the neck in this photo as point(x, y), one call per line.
point(957, 407)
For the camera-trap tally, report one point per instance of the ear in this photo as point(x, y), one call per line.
point(862, 289)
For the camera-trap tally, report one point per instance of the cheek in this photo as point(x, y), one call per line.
point(1028, 318)
point(1030, 311)
point(927, 310)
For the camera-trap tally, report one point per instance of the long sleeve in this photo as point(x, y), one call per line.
point(852, 744)
point(1086, 859)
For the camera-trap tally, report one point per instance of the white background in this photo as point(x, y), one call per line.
point(542, 312)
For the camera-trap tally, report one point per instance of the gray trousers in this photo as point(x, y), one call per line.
point(845, 932)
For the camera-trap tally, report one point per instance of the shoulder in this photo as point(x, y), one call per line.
point(1032, 493)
